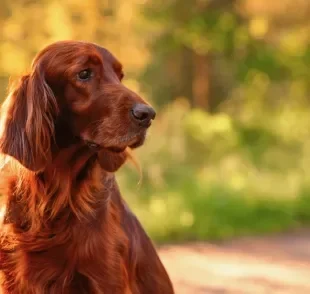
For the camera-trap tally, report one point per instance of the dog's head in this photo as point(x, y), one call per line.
point(74, 90)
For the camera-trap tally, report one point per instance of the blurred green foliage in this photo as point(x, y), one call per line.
point(223, 180)
point(229, 152)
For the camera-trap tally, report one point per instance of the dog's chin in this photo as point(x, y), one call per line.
point(138, 143)
point(116, 149)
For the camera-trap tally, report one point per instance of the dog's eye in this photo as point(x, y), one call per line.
point(85, 74)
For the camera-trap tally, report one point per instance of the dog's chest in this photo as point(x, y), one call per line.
point(100, 260)
point(89, 263)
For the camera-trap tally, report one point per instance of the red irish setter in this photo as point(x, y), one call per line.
point(66, 127)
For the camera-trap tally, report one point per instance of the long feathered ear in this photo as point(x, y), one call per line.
point(27, 126)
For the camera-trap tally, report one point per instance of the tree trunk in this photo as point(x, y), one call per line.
point(201, 82)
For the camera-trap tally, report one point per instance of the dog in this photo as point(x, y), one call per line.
point(66, 127)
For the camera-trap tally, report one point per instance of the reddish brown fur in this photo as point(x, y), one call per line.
point(65, 227)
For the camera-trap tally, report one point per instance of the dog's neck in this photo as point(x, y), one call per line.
point(66, 191)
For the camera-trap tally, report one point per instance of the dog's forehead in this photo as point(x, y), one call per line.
point(72, 50)
point(109, 57)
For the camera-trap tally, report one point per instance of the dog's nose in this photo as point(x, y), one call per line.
point(143, 114)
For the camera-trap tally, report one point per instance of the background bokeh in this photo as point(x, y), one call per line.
point(229, 151)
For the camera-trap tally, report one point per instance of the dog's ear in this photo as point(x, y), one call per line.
point(112, 161)
point(27, 126)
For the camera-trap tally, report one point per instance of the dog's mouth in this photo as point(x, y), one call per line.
point(131, 141)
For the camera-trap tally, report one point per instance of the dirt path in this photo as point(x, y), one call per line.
point(278, 264)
